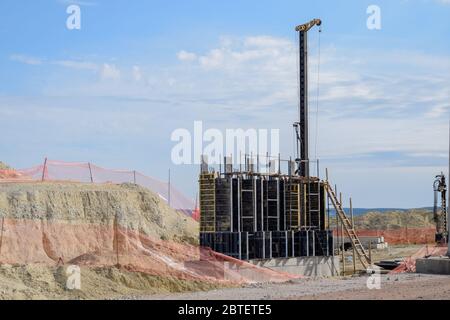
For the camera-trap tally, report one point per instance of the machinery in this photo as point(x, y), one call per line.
point(440, 213)
point(301, 127)
point(255, 215)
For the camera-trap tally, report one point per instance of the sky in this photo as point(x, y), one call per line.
point(113, 91)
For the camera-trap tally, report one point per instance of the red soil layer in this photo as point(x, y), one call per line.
point(43, 242)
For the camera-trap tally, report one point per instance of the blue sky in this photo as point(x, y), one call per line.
point(113, 92)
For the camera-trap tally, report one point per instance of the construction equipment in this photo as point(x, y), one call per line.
point(440, 214)
point(301, 130)
point(301, 127)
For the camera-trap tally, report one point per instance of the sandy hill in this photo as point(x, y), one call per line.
point(46, 222)
point(134, 207)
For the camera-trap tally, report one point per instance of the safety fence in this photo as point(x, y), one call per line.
point(52, 170)
point(54, 243)
point(397, 236)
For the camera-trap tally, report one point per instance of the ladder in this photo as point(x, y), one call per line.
point(356, 243)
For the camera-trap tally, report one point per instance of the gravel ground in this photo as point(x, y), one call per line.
point(401, 286)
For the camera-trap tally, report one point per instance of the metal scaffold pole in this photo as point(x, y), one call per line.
point(353, 226)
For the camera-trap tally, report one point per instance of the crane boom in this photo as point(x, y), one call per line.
point(306, 26)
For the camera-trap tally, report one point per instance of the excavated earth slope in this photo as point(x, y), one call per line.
point(47, 226)
point(133, 207)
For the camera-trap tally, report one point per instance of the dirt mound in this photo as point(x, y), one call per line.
point(131, 206)
point(105, 226)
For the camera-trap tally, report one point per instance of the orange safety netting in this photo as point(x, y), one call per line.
point(402, 236)
point(29, 241)
point(52, 170)
point(409, 264)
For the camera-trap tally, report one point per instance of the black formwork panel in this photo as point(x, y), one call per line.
point(233, 244)
point(281, 241)
point(324, 243)
point(304, 243)
point(235, 200)
point(267, 245)
point(282, 206)
point(301, 243)
point(260, 245)
point(247, 205)
point(223, 205)
point(271, 210)
point(207, 240)
point(330, 239)
point(260, 199)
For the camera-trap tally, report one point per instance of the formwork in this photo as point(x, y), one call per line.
point(251, 215)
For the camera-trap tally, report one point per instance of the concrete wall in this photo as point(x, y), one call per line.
point(433, 265)
point(306, 266)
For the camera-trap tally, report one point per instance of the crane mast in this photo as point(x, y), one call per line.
point(440, 214)
point(301, 127)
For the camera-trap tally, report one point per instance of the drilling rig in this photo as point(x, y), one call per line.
point(301, 127)
point(440, 213)
point(257, 215)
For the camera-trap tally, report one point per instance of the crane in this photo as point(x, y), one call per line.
point(301, 127)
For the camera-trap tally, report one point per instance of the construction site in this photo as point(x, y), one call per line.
point(75, 230)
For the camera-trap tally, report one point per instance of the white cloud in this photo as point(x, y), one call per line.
point(186, 56)
point(109, 72)
point(389, 100)
point(82, 65)
point(25, 59)
point(215, 58)
point(137, 73)
point(267, 42)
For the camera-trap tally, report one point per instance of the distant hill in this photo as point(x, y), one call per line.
point(360, 211)
point(4, 166)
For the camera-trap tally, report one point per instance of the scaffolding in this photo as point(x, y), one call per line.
point(261, 215)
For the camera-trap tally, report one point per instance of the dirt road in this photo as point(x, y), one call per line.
point(402, 286)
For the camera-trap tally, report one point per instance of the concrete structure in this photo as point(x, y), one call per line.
point(319, 266)
point(433, 265)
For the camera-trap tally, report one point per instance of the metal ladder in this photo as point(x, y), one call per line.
point(356, 243)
